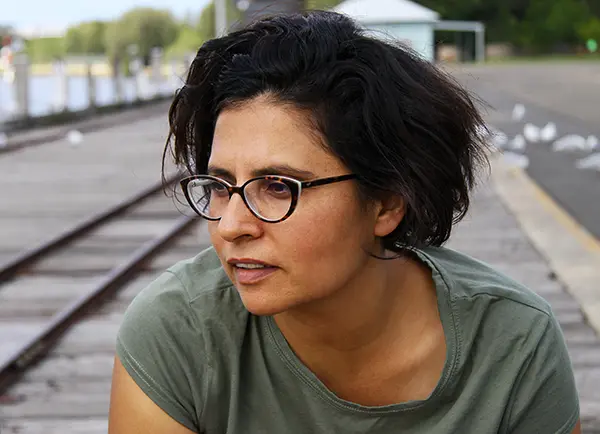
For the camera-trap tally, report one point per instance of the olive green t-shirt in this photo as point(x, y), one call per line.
point(193, 348)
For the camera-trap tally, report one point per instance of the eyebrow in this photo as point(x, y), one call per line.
point(279, 169)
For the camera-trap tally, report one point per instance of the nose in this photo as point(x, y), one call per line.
point(238, 221)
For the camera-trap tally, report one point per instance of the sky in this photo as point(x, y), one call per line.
point(59, 14)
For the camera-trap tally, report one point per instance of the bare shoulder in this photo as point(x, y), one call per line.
point(132, 411)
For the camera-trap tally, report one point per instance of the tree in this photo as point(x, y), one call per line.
point(116, 45)
point(45, 49)
point(590, 29)
point(188, 40)
point(86, 38)
point(74, 41)
point(145, 28)
point(206, 22)
point(547, 25)
point(93, 36)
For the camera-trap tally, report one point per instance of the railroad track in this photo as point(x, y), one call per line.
point(61, 305)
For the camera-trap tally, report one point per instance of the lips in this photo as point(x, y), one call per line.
point(250, 271)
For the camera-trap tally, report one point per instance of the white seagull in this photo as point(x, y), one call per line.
point(518, 143)
point(518, 112)
point(575, 142)
point(590, 162)
point(74, 138)
point(548, 132)
point(531, 133)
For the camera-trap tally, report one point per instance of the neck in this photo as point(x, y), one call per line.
point(387, 305)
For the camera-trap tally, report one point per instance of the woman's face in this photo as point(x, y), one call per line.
point(321, 247)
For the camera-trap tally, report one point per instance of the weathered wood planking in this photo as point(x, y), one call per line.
point(69, 390)
point(55, 426)
point(66, 184)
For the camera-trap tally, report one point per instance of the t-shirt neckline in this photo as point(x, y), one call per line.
point(452, 338)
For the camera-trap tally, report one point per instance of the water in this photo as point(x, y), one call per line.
point(44, 93)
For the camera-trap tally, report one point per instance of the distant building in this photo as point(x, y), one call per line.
point(410, 23)
point(402, 20)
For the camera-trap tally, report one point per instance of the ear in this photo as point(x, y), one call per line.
point(390, 213)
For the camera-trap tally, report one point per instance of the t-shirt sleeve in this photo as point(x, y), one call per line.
point(545, 398)
point(155, 342)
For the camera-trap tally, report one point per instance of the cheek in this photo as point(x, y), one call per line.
point(326, 238)
point(212, 233)
point(216, 240)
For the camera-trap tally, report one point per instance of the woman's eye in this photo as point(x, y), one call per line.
point(276, 189)
point(218, 189)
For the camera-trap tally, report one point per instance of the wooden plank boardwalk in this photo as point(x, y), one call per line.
point(49, 188)
point(68, 392)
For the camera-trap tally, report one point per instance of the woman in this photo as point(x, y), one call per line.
point(331, 166)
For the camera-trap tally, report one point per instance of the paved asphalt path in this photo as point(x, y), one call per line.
point(566, 94)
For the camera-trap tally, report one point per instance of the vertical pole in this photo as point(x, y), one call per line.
point(480, 44)
point(91, 85)
point(62, 88)
point(117, 82)
point(156, 71)
point(220, 17)
point(135, 66)
point(7, 76)
point(21, 84)
point(136, 71)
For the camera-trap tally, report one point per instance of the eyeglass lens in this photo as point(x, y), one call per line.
point(268, 199)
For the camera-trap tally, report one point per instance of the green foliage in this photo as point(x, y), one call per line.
point(206, 22)
point(590, 29)
point(45, 49)
point(548, 25)
point(144, 28)
point(86, 38)
point(188, 41)
point(532, 25)
point(116, 45)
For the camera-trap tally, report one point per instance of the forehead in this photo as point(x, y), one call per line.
point(261, 133)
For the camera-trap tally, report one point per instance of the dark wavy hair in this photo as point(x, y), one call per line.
point(394, 119)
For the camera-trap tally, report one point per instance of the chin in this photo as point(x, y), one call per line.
point(262, 301)
point(263, 306)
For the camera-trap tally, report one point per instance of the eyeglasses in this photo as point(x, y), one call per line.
point(271, 199)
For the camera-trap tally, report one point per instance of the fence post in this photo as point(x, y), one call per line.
point(117, 82)
point(62, 86)
point(21, 83)
point(135, 69)
point(156, 74)
point(91, 85)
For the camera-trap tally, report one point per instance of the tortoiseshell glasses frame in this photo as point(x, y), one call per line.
point(295, 189)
